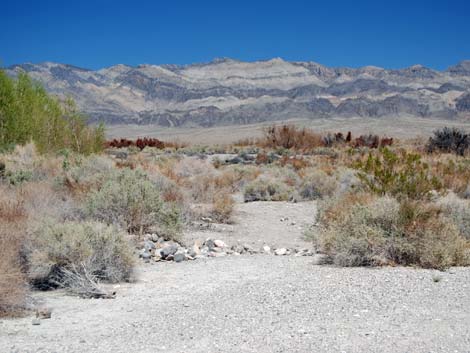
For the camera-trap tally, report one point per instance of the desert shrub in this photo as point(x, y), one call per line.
point(316, 184)
point(13, 284)
point(294, 162)
point(103, 250)
point(451, 140)
point(354, 234)
point(140, 143)
point(266, 188)
point(371, 141)
point(290, 137)
point(458, 210)
point(129, 199)
point(453, 171)
point(223, 205)
point(398, 174)
point(44, 200)
point(347, 180)
point(169, 190)
point(365, 230)
point(466, 193)
point(18, 177)
point(84, 174)
point(2, 169)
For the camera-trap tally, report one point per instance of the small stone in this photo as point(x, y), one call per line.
point(247, 248)
point(209, 243)
point(280, 252)
point(154, 237)
point(36, 321)
point(43, 313)
point(196, 249)
point(179, 257)
point(169, 249)
point(238, 249)
point(145, 255)
point(266, 249)
point(217, 254)
point(148, 245)
point(219, 243)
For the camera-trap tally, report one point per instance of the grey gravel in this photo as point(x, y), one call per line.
point(258, 304)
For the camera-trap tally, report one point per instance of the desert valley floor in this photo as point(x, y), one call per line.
point(258, 303)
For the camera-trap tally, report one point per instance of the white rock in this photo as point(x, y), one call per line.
point(219, 243)
point(280, 251)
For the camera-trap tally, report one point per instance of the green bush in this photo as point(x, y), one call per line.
point(400, 174)
point(129, 199)
point(102, 250)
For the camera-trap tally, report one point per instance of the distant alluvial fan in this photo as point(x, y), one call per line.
point(226, 91)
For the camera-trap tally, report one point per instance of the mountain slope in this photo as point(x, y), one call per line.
point(227, 91)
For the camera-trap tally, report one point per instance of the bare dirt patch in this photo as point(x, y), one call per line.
point(276, 224)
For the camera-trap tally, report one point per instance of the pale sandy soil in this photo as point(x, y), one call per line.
point(258, 303)
point(401, 127)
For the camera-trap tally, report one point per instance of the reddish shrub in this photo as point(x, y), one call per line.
point(140, 143)
point(291, 137)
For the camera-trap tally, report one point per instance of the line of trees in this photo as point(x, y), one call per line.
point(28, 113)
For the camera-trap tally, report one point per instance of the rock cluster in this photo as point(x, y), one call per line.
point(157, 249)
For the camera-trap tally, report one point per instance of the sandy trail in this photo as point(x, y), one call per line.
point(258, 303)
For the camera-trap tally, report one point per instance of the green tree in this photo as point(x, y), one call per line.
point(29, 113)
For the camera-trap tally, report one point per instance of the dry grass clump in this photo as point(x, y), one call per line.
point(458, 210)
point(316, 184)
point(200, 183)
point(81, 176)
point(13, 284)
point(129, 199)
point(367, 230)
point(223, 205)
point(453, 172)
point(102, 250)
point(267, 188)
point(290, 136)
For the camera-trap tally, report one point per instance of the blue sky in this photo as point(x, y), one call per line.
point(96, 34)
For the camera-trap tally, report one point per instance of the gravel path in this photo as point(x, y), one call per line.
point(258, 304)
point(277, 224)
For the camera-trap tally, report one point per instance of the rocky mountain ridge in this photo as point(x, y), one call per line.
point(227, 91)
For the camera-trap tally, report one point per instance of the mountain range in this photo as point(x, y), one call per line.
point(227, 91)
